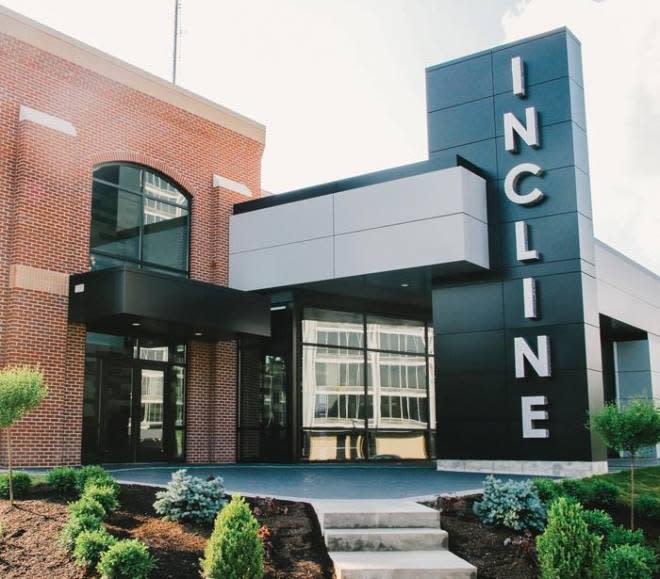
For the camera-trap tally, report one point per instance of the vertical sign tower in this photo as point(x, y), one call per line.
point(517, 347)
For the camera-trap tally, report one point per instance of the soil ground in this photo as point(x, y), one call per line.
point(28, 547)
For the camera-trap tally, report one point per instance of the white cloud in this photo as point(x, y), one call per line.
point(621, 62)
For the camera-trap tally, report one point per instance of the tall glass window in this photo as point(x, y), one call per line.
point(139, 217)
point(367, 387)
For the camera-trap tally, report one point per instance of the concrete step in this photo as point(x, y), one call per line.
point(375, 514)
point(401, 565)
point(385, 539)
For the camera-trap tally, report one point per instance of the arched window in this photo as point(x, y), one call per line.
point(140, 218)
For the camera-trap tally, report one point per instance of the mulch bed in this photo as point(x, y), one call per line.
point(497, 553)
point(502, 553)
point(28, 547)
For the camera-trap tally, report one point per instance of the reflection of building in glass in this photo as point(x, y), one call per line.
point(362, 373)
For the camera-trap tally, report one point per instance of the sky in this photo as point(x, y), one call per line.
point(339, 84)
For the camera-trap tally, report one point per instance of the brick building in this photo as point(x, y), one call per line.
point(457, 309)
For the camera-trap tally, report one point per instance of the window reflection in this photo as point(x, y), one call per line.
point(138, 217)
point(384, 390)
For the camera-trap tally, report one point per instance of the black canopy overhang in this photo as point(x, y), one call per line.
point(128, 301)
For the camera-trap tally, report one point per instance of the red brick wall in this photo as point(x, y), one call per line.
point(45, 194)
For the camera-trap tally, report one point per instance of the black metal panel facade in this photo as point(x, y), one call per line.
point(477, 319)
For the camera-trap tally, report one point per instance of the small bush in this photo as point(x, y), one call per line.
point(630, 562)
point(75, 526)
point(189, 498)
point(63, 480)
point(511, 504)
point(623, 536)
point(22, 485)
point(591, 491)
point(599, 523)
point(547, 489)
point(127, 559)
point(103, 494)
point(90, 545)
point(566, 549)
point(94, 474)
point(87, 506)
point(648, 506)
point(234, 550)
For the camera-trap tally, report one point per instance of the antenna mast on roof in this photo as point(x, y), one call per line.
point(177, 32)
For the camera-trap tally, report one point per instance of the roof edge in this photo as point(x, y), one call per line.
point(50, 40)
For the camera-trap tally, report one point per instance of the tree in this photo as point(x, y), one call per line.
point(22, 389)
point(629, 430)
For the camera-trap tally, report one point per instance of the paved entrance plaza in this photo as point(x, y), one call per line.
point(319, 481)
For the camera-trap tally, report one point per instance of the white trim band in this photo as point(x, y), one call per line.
point(231, 185)
point(563, 468)
point(46, 120)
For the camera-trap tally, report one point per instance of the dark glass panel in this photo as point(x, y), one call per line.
point(105, 344)
point(115, 221)
point(165, 237)
point(116, 412)
point(90, 426)
point(97, 261)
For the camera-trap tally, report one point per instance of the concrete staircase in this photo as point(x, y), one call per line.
point(395, 539)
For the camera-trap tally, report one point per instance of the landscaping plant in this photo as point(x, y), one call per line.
point(21, 389)
point(590, 491)
point(629, 430)
point(189, 498)
point(599, 523)
point(547, 489)
point(94, 474)
point(20, 482)
point(630, 562)
point(566, 549)
point(63, 480)
point(75, 526)
point(103, 494)
point(620, 535)
point(90, 545)
point(127, 559)
point(87, 506)
point(234, 550)
point(648, 506)
point(513, 504)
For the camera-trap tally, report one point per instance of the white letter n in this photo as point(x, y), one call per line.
point(539, 361)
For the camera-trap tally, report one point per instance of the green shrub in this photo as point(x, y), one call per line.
point(105, 495)
point(623, 536)
point(630, 562)
point(94, 474)
point(63, 480)
point(648, 506)
point(513, 504)
point(234, 550)
point(590, 491)
point(547, 489)
point(566, 549)
point(22, 485)
point(127, 559)
point(190, 498)
point(75, 526)
point(599, 523)
point(87, 506)
point(90, 545)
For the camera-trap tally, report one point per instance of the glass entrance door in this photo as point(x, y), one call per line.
point(116, 411)
point(134, 400)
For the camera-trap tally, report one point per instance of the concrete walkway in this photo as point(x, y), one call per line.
point(309, 482)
